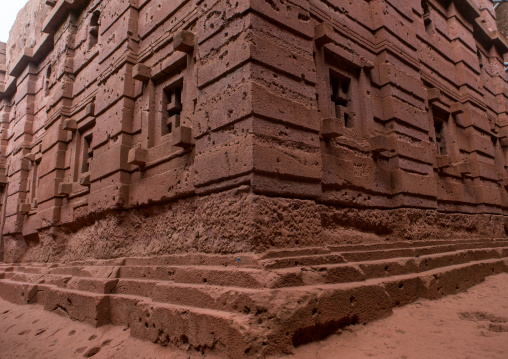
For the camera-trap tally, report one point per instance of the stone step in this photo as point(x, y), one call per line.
point(412, 244)
point(17, 292)
point(303, 314)
point(414, 252)
point(240, 310)
point(214, 275)
point(198, 329)
point(93, 285)
point(23, 277)
point(147, 272)
point(83, 306)
point(294, 252)
point(344, 254)
point(137, 287)
point(99, 271)
point(230, 299)
point(361, 271)
point(308, 260)
point(237, 260)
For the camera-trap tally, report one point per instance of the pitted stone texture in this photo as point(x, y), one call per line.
point(251, 308)
point(237, 221)
point(27, 29)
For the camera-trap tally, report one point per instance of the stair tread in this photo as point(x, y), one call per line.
point(409, 244)
point(382, 261)
point(206, 311)
point(376, 281)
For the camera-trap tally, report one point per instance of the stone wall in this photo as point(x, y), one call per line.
point(136, 127)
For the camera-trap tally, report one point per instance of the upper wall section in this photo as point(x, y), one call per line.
point(27, 29)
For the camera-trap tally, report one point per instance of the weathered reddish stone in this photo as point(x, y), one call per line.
point(154, 127)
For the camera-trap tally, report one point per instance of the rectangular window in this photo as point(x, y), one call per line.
point(440, 137)
point(341, 99)
point(172, 106)
point(87, 154)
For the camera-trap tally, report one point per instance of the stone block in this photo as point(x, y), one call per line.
point(184, 41)
point(434, 94)
point(456, 108)
point(464, 168)
point(141, 72)
point(84, 180)
point(64, 189)
point(137, 157)
point(379, 144)
point(323, 33)
point(443, 161)
point(30, 157)
point(24, 208)
point(332, 128)
point(182, 137)
point(90, 109)
point(70, 125)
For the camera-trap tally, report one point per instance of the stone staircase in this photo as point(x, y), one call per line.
point(248, 304)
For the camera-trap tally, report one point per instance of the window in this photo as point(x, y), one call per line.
point(33, 183)
point(46, 83)
point(87, 154)
point(170, 100)
point(480, 57)
point(440, 137)
point(340, 86)
point(427, 18)
point(426, 13)
point(94, 29)
point(440, 117)
point(172, 103)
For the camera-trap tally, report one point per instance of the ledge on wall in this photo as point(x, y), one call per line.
point(468, 8)
point(21, 62)
point(59, 12)
point(490, 36)
point(9, 87)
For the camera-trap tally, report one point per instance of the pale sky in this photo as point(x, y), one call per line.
point(8, 11)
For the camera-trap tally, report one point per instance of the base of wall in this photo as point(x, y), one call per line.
point(240, 221)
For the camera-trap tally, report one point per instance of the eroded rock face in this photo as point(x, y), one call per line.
point(27, 29)
point(502, 19)
point(150, 127)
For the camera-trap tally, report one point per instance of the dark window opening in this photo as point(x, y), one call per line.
point(94, 29)
point(172, 108)
point(426, 13)
point(87, 154)
point(440, 137)
point(46, 83)
point(480, 57)
point(341, 98)
point(35, 182)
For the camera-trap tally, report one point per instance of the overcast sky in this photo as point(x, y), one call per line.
point(8, 11)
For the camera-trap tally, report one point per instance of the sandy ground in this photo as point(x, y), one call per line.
point(468, 325)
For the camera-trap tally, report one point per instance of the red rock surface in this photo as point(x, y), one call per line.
point(248, 176)
point(473, 324)
point(145, 127)
point(253, 305)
